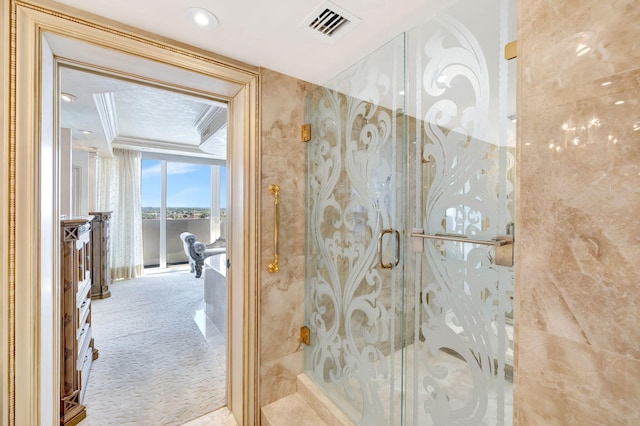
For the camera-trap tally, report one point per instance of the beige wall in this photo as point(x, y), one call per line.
point(578, 240)
point(578, 340)
point(282, 293)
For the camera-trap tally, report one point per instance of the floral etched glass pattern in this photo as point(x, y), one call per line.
point(416, 138)
point(354, 178)
point(461, 160)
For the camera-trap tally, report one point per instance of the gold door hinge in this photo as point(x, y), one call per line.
point(305, 135)
point(305, 335)
point(511, 50)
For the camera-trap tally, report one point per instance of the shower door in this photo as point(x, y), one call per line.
point(354, 259)
point(459, 274)
point(410, 193)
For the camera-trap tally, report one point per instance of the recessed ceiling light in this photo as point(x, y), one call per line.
point(85, 132)
point(201, 17)
point(67, 97)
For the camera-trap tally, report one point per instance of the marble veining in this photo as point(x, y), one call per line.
point(552, 33)
point(282, 293)
point(577, 251)
point(577, 340)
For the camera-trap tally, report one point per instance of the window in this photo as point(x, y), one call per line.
point(177, 197)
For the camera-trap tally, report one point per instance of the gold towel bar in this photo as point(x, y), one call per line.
point(503, 244)
point(499, 241)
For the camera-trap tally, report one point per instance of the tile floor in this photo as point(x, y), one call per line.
point(221, 417)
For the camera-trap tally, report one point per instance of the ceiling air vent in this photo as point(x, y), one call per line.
point(330, 22)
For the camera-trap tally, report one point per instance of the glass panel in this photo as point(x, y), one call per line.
point(188, 206)
point(151, 186)
point(461, 167)
point(354, 185)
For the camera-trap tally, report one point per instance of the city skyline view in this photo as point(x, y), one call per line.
point(188, 185)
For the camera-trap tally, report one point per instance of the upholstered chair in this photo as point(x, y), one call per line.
point(197, 252)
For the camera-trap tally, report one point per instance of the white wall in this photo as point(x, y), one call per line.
point(80, 182)
point(91, 190)
point(65, 172)
point(49, 396)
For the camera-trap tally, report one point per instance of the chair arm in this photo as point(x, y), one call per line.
point(219, 243)
point(214, 251)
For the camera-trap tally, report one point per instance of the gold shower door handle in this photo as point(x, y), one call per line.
point(275, 190)
point(397, 260)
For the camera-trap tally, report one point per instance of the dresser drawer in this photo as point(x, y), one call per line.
point(82, 313)
point(81, 332)
point(84, 287)
point(84, 346)
point(85, 369)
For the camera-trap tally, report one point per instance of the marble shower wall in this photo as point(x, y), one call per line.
point(282, 293)
point(577, 236)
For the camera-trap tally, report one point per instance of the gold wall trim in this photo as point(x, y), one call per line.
point(121, 30)
point(11, 249)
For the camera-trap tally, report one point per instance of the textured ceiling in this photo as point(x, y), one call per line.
point(143, 117)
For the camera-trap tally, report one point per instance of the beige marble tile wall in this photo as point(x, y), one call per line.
point(578, 239)
point(282, 293)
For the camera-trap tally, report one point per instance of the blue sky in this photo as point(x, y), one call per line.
point(188, 185)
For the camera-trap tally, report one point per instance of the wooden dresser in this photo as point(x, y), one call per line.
point(77, 344)
point(101, 268)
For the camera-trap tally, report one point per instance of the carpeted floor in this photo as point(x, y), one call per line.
point(155, 365)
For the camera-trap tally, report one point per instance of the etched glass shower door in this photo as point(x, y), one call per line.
point(409, 228)
point(459, 277)
point(353, 237)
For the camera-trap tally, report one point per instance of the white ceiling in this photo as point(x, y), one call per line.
point(269, 33)
point(260, 33)
point(112, 112)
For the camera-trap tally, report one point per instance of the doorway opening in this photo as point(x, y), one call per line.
point(151, 163)
point(47, 38)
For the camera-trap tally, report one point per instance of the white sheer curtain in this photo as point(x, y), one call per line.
point(118, 184)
